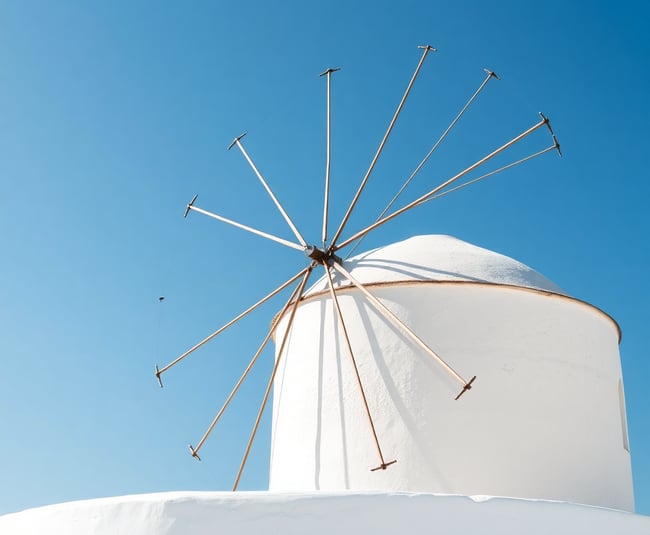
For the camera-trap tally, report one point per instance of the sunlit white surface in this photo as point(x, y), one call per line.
point(203, 513)
point(543, 420)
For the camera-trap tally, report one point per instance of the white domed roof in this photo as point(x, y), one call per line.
point(442, 259)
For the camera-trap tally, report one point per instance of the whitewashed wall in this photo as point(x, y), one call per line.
point(542, 421)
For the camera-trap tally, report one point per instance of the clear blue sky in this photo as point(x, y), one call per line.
point(114, 114)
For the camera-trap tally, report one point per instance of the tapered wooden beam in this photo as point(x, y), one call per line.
point(442, 186)
point(195, 450)
point(250, 309)
point(490, 75)
point(245, 227)
point(425, 50)
point(328, 74)
point(390, 315)
point(383, 464)
point(286, 217)
point(278, 359)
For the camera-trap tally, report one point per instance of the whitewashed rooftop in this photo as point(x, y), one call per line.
point(439, 258)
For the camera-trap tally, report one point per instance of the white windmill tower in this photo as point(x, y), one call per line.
point(412, 382)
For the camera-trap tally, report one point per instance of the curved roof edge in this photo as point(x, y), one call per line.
point(547, 293)
point(437, 258)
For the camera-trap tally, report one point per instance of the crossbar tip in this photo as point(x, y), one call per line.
point(190, 204)
point(468, 386)
point(193, 452)
point(329, 71)
point(557, 146)
point(492, 74)
point(234, 141)
point(383, 466)
point(547, 122)
point(158, 376)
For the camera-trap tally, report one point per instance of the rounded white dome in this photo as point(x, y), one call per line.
point(439, 258)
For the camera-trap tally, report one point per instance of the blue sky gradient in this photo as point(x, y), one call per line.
point(114, 114)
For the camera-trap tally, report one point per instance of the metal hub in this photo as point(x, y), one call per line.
point(321, 255)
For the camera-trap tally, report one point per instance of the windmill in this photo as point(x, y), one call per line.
point(370, 367)
point(327, 254)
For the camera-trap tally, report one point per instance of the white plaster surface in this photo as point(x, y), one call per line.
point(543, 419)
point(252, 513)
